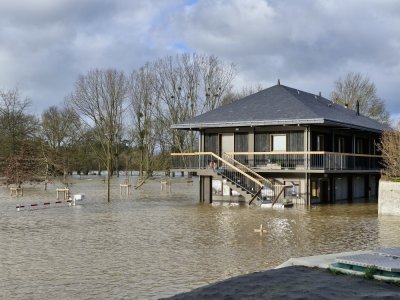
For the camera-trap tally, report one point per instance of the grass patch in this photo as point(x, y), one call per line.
point(370, 271)
point(335, 272)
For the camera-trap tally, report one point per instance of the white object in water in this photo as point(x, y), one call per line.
point(79, 197)
point(269, 205)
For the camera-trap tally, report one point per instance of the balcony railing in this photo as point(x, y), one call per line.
point(214, 163)
point(317, 160)
point(233, 171)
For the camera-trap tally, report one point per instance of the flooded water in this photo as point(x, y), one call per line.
point(154, 244)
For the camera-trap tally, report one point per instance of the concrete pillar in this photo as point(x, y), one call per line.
point(251, 140)
point(205, 189)
point(251, 145)
point(389, 198)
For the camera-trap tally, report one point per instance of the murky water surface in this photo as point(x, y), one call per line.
point(155, 244)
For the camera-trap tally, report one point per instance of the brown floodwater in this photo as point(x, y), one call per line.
point(155, 244)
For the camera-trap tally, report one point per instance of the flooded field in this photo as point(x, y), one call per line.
point(154, 244)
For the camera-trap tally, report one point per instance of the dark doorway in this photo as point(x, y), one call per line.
point(324, 191)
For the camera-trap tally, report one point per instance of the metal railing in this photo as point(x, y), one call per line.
point(272, 188)
point(211, 161)
point(246, 169)
point(313, 160)
point(234, 171)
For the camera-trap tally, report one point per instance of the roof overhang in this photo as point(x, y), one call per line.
point(254, 123)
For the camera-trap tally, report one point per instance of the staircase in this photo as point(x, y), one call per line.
point(239, 177)
point(246, 192)
point(275, 187)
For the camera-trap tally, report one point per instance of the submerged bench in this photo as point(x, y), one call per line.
point(165, 186)
point(17, 191)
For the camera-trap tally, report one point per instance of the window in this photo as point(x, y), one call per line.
point(295, 141)
point(210, 142)
point(241, 142)
point(340, 145)
point(261, 142)
point(374, 145)
point(278, 142)
point(320, 143)
point(359, 146)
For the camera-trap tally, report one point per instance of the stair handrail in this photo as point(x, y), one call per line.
point(234, 168)
point(223, 161)
point(248, 169)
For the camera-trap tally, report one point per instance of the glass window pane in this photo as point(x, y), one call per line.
point(279, 143)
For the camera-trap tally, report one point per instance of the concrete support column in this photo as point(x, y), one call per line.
point(388, 199)
point(205, 189)
point(251, 139)
point(251, 144)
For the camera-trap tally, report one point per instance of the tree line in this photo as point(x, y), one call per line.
point(112, 120)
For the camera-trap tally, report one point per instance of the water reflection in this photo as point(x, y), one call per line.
point(157, 244)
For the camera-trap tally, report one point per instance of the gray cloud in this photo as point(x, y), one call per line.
point(308, 44)
point(46, 44)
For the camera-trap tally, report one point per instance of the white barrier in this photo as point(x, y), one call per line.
point(58, 203)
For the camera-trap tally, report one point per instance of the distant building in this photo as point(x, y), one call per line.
point(292, 143)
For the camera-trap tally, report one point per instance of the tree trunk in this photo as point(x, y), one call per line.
point(109, 170)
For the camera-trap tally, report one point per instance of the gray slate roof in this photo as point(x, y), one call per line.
point(280, 105)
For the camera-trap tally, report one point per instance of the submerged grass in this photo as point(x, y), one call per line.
point(370, 271)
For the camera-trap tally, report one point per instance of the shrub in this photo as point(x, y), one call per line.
point(370, 271)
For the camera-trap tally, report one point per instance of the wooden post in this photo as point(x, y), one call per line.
point(205, 189)
point(65, 192)
point(261, 230)
point(189, 179)
point(127, 187)
point(18, 191)
point(165, 186)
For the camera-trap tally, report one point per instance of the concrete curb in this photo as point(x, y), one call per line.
point(317, 261)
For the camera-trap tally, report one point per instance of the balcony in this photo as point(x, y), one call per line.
point(314, 160)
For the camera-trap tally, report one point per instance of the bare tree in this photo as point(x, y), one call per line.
point(60, 130)
point(24, 165)
point(354, 87)
point(142, 96)
point(99, 97)
point(187, 85)
point(217, 78)
point(390, 148)
point(16, 125)
point(245, 91)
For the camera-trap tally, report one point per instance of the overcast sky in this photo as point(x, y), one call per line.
point(46, 44)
